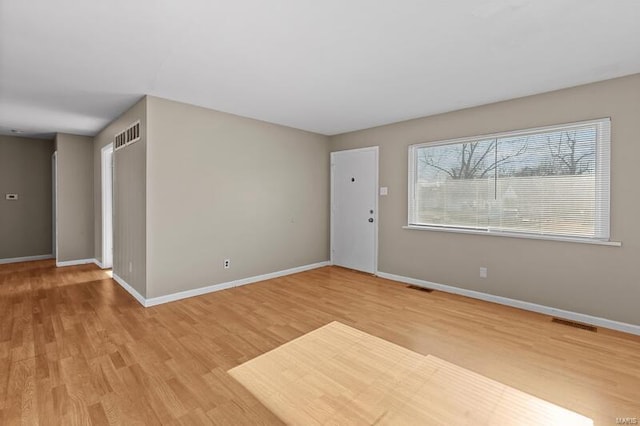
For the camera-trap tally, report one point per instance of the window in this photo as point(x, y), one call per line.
point(551, 181)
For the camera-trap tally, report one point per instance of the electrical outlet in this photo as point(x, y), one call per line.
point(130, 266)
point(227, 263)
point(483, 272)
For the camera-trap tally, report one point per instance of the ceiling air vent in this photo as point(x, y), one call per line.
point(128, 136)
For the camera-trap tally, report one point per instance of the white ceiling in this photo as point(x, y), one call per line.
point(327, 66)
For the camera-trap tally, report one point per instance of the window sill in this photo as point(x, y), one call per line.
point(514, 235)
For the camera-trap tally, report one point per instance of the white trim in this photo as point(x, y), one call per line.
point(74, 262)
point(191, 293)
point(25, 258)
point(100, 265)
point(56, 215)
point(107, 203)
point(512, 235)
point(376, 216)
point(212, 288)
point(54, 201)
point(132, 291)
point(331, 208)
point(376, 197)
point(223, 286)
point(574, 316)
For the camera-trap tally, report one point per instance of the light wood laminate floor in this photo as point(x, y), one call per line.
point(75, 348)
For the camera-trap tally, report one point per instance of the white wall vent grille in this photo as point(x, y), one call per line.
point(128, 136)
point(120, 141)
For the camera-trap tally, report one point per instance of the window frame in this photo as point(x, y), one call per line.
point(603, 185)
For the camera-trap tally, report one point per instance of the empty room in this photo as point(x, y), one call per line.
point(319, 213)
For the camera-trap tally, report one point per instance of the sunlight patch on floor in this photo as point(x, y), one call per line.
point(339, 375)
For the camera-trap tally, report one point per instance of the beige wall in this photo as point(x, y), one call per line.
point(74, 209)
point(25, 224)
point(129, 198)
point(595, 280)
point(222, 186)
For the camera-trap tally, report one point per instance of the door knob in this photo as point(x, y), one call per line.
point(371, 219)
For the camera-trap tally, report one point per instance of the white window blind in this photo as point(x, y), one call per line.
point(551, 181)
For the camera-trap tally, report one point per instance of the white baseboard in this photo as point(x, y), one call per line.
point(97, 262)
point(132, 291)
point(210, 289)
point(574, 316)
point(222, 286)
point(188, 293)
point(26, 258)
point(74, 262)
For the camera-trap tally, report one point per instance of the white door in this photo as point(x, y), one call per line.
point(107, 206)
point(354, 209)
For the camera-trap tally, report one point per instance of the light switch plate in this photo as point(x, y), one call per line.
point(11, 197)
point(384, 190)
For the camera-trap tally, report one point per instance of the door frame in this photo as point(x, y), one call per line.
point(106, 187)
point(54, 201)
point(376, 215)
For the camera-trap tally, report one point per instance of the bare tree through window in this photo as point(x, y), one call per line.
point(470, 160)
